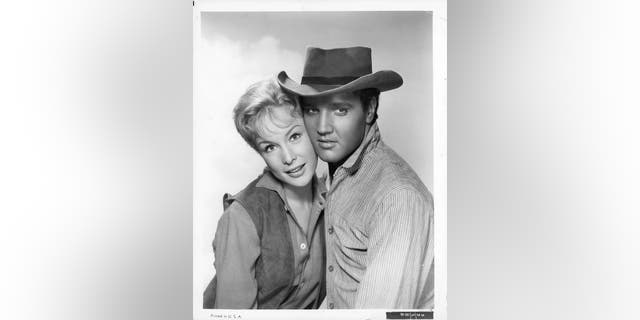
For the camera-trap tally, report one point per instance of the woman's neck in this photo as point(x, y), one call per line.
point(298, 195)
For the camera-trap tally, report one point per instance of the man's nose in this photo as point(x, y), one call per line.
point(325, 125)
point(287, 156)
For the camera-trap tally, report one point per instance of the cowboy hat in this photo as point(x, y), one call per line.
point(330, 71)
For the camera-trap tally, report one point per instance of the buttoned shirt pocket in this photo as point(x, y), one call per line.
point(352, 242)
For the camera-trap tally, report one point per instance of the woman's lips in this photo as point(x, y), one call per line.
point(297, 171)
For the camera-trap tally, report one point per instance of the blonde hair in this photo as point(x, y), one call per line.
point(256, 104)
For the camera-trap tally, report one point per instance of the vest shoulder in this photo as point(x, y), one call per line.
point(252, 192)
point(257, 200)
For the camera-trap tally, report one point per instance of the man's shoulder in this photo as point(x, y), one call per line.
point(391, 167)
point(393, 174)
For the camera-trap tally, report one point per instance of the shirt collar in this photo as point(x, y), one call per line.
point(369, 142)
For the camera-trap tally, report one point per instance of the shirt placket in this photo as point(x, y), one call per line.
point(300, 245)
point(330, 236)
point(305, 245)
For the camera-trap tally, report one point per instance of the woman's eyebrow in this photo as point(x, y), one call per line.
point(262, 141)
point(291, 129)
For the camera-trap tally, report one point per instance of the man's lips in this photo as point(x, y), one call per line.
point(326, 143)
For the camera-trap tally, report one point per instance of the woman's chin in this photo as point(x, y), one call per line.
point(301, 181)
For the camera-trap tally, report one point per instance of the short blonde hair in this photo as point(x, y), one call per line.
point(256, 104)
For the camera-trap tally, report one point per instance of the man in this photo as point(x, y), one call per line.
point(378, 214)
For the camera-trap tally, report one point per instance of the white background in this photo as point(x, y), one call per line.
point(96, 163)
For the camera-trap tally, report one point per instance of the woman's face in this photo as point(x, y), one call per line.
point(286, 148)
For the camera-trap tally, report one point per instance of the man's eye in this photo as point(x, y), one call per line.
point(341, 111)
point(295, 137)
point(310, 110)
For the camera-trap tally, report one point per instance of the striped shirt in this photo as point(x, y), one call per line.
point(379, 232)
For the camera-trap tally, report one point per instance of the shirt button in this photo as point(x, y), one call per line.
point(331, 305)
point(331, 230)
point(303, 246)
point(330, 268)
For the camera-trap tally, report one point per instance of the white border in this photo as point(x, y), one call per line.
point(439, 9)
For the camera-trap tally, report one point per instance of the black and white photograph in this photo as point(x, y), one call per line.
point(315, 162)
point(319, 160)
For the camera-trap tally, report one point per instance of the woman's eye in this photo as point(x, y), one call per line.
point(268, 148)
point(295, 136)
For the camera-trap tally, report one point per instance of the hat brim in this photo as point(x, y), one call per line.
point(383, 80)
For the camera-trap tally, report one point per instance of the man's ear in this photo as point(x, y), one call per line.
point(371, 110)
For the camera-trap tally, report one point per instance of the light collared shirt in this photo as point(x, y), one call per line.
point(237, 248)
point(379, 222)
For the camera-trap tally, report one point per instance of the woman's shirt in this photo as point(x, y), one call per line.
point(237, 248)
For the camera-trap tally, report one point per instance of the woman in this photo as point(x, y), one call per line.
point(269, 244)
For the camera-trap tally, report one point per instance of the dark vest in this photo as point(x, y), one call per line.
point(275, 266)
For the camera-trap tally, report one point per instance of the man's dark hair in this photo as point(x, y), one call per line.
point(365, 98)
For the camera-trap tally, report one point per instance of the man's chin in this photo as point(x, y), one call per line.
point(329, 156)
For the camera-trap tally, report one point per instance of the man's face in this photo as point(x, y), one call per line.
point(336, 125)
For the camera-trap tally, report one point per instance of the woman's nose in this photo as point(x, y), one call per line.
point(287, 156)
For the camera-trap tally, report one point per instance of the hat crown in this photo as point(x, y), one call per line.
point(336, 66)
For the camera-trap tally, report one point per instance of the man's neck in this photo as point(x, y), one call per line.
point(333, 167)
